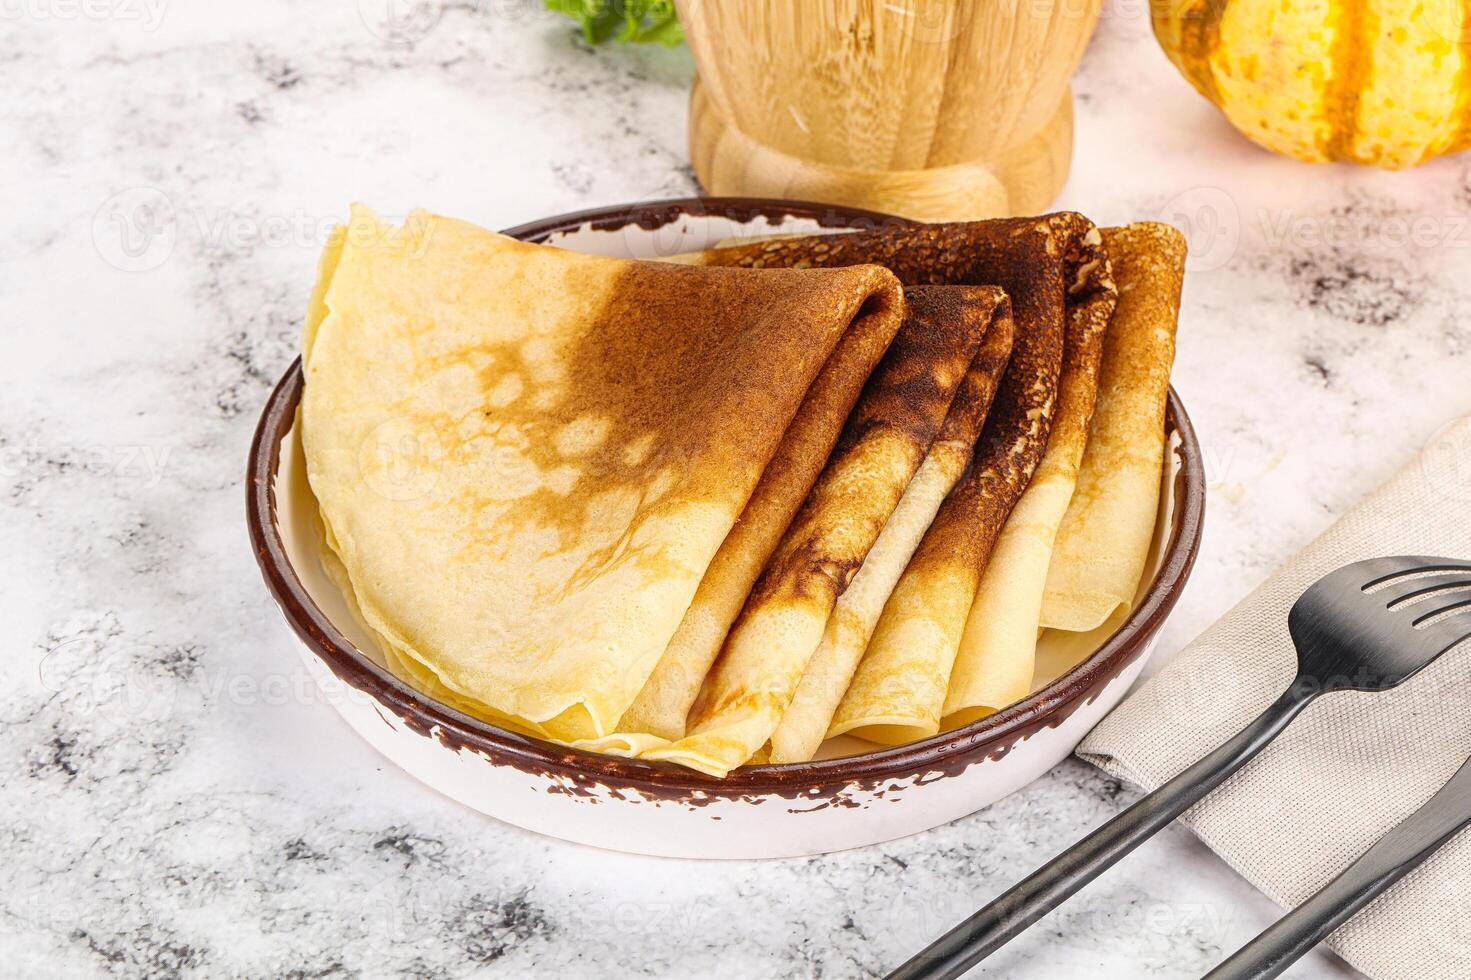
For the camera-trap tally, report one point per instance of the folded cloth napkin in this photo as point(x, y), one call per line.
point(1352, 765)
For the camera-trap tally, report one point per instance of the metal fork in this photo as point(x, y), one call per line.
point(1367, 627)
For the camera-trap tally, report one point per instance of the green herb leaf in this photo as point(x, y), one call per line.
point(637, 21)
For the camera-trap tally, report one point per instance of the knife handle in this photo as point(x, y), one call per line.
point(1393, 856)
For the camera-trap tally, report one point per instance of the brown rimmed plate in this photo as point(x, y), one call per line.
point(658, 808)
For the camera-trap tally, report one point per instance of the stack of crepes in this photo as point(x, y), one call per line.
point(715, 512)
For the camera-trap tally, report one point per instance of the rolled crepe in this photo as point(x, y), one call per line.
point(997, 655)
point(1104, 541)
point(899, 689)
point(526, 458)
point(1023, 256)
point(883, 444)
point(805, 723)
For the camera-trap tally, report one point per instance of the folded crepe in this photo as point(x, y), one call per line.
point(1104, 541)
point(1056, 275)
point(804, 725)
point(997, 655)
point(1050, 267)
point(882, 446)
point(526, 459)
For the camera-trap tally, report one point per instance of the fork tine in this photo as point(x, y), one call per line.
point(1448, 626)
point(1446, 612)
point(1376, 573)
point(1365, 574)
point(1401, 593)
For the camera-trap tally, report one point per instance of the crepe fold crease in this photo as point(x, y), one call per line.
point(805, 724)
point(526, 459)
point(995, 661)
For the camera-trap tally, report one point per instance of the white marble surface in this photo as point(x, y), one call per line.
point(175, 801)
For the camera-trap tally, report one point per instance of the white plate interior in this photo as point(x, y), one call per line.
point(687, 233)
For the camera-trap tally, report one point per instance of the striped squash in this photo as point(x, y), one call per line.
point(1382, 82)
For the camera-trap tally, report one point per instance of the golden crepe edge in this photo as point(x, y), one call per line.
point(1104, 541)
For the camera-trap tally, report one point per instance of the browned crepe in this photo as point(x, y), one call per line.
point(526, 458)
point(804, 725)
point(1051, 267)
point(883, 444)
point(995, 662)
point(664, 702)
point(1103, 544)
point(1026, 257)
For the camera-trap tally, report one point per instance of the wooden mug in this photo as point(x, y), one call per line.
point(931, 109)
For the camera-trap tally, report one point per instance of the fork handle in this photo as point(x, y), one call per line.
point(1034, 896)
point(1393, 856)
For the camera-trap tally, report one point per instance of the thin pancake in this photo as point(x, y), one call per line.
point(997, 654)
point(1022, 256)
point(883, 444)
point(805, 723)
point(526, 458)
point(664, 702)
point(1104, 541)
point(1049, 266)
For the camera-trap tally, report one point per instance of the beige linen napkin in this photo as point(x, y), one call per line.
point(1352, 765)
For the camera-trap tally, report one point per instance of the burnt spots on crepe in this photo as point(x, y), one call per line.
point(1026, 257)
point(1010, 253)
point(1053, 268)
point(944, 331)
point(972, 402)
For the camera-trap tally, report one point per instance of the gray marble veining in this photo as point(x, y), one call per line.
point(174, 798)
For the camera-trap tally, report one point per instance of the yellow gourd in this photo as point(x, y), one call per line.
point(1383, 82)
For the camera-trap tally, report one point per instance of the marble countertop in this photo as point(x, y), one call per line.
point(175, 800)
